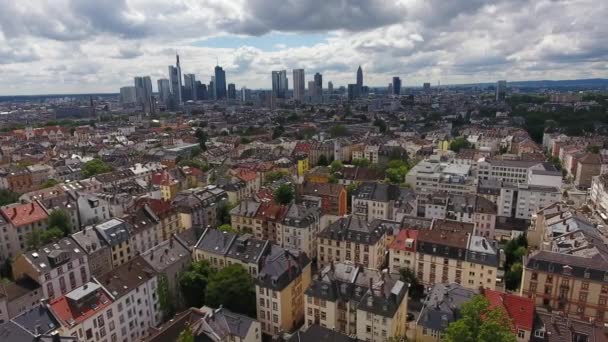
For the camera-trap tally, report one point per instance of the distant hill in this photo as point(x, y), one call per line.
point(589, 83)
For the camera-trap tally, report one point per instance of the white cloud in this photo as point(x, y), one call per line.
point(67, 46)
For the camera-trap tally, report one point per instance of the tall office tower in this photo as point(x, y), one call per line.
point(211, 89)
point(330, 87)
point(190, 86)
point(127, 95)
point(201, 91)
point(352, 91)
point(164, 90)
point(231, 91)
point(390, 89)
point(501, 90)
point(220, 83)
point(396, 85)
point(244, 94)
point(311, 89)
point(279, 83)
point(359, 78)
point(318, 85)
point(299, 86)
point(175, 76)
point(143, 93)
point(426, 86)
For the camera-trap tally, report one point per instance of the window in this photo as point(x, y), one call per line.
point(275, 318)
point(521, 333)
point(534, 276)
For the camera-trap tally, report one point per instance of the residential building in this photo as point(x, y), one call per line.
point(92, 209)
point(430, 176)
point(375, 200)
point(357, 301)
point(587, 167)
point(58, 268)
point(99, 253)
point(520, 311)
point(279, 289)
point(316, 332)
point(333, 196)
point(17, 221)
point(116, 233)
point(440, 308)
point(17, 297)
point(354, 239)
point(402, 251)
point(299, 228)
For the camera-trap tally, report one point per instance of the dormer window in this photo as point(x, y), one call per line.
point(567, 270)
point(587, 274)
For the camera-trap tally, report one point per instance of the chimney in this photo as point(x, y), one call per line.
point(32, 209)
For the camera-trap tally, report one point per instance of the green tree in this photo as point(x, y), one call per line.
point(193, 283)
point(322, 160)
point(49, 183)
point(274, 176)
point(416, 289)
point(361, 162)
point(60, 219)
point(284, 194)
point(480, 323)
point(199, 164)
point(515, 250)
point(33, 240)
point(278, 131)
point(227, 228)
point(95, 167)
point(8, 197)
point(338, 131)
point(459, 143)
point(165, 298)
point(224, 212)
point(233, 288)
point(381, 124)
point(186, 335)
point(201, 136)
point(335, 166)
point(51, 235)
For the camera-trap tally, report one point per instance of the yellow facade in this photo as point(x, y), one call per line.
point(303, 166)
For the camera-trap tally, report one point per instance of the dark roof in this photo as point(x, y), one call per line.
point(557, 327)
point(442, 305)
point(124, 278)
point(165, 254)
point(281, 267)
point(317, 333)
point(379, 192)
point(55, 254)
point(551, 262)
point(215, 241)
point(301, 216)
point(39, 316)
point(356, 229)
point(16, 289)
point(114, 231)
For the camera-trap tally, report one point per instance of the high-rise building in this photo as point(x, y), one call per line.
point(211, 89)
point(127, 95)
point(330, 87)
point(190, 87)
point(245, 94)
point(426, 86)
point(299, 87)
point(318, 85)
point(396, 85)
point(164, 90)
point(231, 91)
point(201, 91)
point(501, 90)
point(359, 78)
point(143, 93)
point(220, 83)
point(279, 83)
point(352, 91)
point(311, 89)
point(175, 77)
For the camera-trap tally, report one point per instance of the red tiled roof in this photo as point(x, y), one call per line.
point(160, 207)
point(23, 214)
point(403, 235)
point(162, 178)
point(68, 313)
point(246, 176)
point(302, 148)
point(271, 211)
point(519, 309)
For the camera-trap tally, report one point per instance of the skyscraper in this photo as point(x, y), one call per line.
point(299, 87)
point(201, 91)
point(220, 83)
point(211, 88)
point(359, 78)
point(352, 91)
point(330, 87)
point(127, 95)
point(279, 83)
point(143, 93)
point(396, 85)
point(318, 86)
point(311, 89)
point(164, 90)
point(175, 76)
point(190, 87)
point(231, 91)
point(245, 95)
point(426, 86)
point(501, 90)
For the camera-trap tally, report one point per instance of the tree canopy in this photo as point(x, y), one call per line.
point(193, 283)
point(233, 288)
point(227, 228)
point(459, 143)
point(479, 323)
point(61, 220)
point(338, 131)
point(515, 249)
point(201, 136)
point(322, 160)
point(95, 167)
point(8, 197)
point(284, 194)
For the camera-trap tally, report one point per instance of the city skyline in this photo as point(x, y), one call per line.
point(70, 47)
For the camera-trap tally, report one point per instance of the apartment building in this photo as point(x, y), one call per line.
point(99, 253)
point(570, 271)
point(17, 297)
point(333, 197)
point(92, 209)
point(599, 193)
point(375, 200)
point(430, 176)
point(168, 217)
point(440, 308)
point(357, 301)
point(520, 311)
point(299, 229)
point(452, 257)
point(354, 239)
point(279, 289)
point(242, 217)
point(523, 200)
point(267, 220)
point(402, 251)
point(58, 268)
point(116, 233)
point(16, 222)
point(513, 172)
point(198, 207)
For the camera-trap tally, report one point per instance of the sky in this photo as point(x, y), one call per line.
point(85, 46)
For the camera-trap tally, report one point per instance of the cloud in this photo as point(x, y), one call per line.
point(65, 46)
